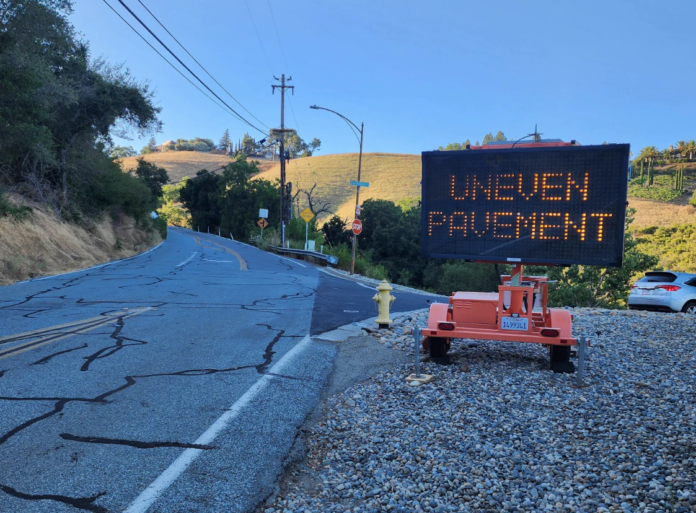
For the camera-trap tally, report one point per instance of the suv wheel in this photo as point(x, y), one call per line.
point(690, 308)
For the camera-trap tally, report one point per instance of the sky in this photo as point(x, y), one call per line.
point(418, 74)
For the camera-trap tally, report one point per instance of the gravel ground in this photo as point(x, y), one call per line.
point(497, 431)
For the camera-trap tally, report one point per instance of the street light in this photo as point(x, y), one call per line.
point(361, 130)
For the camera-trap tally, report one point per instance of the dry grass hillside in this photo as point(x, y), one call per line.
point(180, 163)
point(658, 213)
point(44, 245)
point(391, 177)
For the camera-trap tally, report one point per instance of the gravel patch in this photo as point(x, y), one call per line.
point(498, 431)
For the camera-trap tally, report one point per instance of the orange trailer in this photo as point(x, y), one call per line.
point(516, 313)
point(545, 202)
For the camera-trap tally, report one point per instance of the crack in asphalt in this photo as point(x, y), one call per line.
point(133, 443)
point(59, 403)
point(105, 352)
point(269, 352)
point(84, 503)
point(51, 356)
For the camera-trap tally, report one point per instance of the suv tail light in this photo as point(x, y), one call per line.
point(669, 288)
point(446, 326)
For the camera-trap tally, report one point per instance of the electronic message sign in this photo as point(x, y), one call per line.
point(546, 205)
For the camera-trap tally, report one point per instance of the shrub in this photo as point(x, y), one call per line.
point(377, 272)
point(161, 226)
point(17, 213)
point(692, 201)
point(343, 252)
point(454, 276)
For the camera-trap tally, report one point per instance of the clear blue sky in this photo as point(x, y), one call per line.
point(421, 74)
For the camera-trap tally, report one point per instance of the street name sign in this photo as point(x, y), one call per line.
point(557, 205)
point(359, 184)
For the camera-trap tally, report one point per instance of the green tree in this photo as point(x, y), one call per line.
point(500, 136)
point(455, 146)
point(149, 147)
point(225, 141)
point(249, 145)
point(296, 147)
point(59, 110)
point(154, 177)
point(649, 152)
point(690, 148)
point(201, 197)
point(587, 285)
point(488, 138)
point(242, 197)
point(681, 147)
point(335, 232)
point(119, 152)
point(173, 213)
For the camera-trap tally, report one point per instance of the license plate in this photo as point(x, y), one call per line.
point(515, 323)
point(645, 292)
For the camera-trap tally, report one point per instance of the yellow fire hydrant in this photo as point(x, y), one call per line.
point(384, 299)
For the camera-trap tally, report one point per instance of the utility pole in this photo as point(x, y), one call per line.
point(282, 131)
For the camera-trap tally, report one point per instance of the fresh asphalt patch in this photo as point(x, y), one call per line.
point(339, 301)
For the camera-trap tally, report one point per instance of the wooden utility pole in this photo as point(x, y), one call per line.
point(282, 131)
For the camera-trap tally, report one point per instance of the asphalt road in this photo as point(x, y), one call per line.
point(174, 381)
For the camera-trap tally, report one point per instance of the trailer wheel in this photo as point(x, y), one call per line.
point(560, 359)
point(438, 346)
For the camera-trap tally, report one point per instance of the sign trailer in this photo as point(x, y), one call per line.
point(548, 203)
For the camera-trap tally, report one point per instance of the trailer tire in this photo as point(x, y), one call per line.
point(438, 346)
point(560, 359)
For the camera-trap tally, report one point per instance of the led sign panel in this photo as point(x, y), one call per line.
point(554, 205)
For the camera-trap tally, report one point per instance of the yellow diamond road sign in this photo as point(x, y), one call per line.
point(307, 215)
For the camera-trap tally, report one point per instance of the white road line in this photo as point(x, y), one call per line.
point(187, 260)
point(292, 260)
point(222, 261)
point(143, 502)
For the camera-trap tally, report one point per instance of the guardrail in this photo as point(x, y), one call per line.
point(329, 259)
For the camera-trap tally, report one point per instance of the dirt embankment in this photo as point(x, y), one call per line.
point(43, 245)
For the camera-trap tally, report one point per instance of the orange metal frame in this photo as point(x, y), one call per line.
point(490, 315)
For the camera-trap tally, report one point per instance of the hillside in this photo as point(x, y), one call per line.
point(180, 163)
point(658, 213)
point(391, 177)
point(43, 244)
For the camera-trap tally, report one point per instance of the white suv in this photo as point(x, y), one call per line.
point(664, 290)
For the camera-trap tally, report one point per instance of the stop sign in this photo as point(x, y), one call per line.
point(357, 227)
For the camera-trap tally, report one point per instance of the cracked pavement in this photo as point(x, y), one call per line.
point(108, 374)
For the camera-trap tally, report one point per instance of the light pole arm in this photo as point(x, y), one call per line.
point(316, 107)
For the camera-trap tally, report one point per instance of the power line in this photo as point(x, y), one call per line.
point(270, 68)
point(187, 68)
point(165, 59)
point(202, 67)
point(278, 36)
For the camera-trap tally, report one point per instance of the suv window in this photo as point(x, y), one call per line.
point(658, 276)
point(691, 282)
